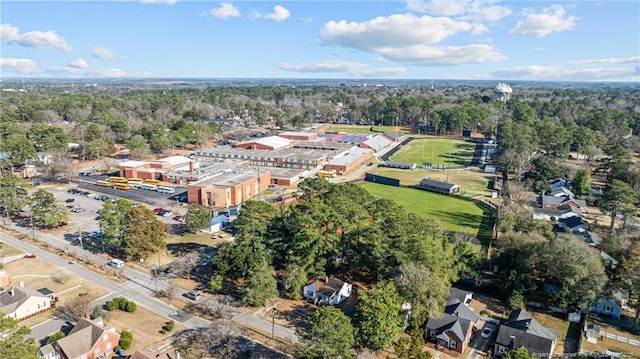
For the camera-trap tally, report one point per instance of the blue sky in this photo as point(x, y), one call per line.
point(413, 39)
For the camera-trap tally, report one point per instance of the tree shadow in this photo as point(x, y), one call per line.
point(296, 315)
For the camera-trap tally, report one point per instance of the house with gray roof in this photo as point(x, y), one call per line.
point(458, 324)
point(521, 330)
point(439, 186)
point(555, 202)
point(87, 339)
point(20, 302)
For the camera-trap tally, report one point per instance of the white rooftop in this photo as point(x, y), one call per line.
point(353, 154)
point(378, 142)
point(271, 141)
point(295, 133)
point(175, 159)
point(131, 163)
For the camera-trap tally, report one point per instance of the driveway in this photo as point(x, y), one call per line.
point(41, 331)
point(479, 346)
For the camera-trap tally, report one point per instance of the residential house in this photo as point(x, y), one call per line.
point(556, 214)
point(327, 291)
point(573, 224)
point(457, 325)
point(87, 340)
point(607, 307)
point(557, 202)
point(20, 303)
point(561, 192)
point(522, 331)
point(557, 183)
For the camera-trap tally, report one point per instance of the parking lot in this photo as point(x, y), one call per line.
point(83, 209)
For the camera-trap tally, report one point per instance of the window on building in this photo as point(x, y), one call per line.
point(501, 349)
point(453, 344)
point(608, 308)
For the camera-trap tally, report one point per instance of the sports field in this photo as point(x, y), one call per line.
point(437, 151)
point(472, 182)
point(455, 214)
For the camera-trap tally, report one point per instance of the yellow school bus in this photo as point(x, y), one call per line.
point(121, 186)
point(326, 174)
point(152, 182)
point(135, 180)
point(103, 183)
point(117, 180)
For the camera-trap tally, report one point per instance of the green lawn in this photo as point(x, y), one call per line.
point(472, 182)
point(455, 214)
point(437, 151)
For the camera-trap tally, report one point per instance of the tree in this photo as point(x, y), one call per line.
point(297, 122)
point(13, 193)
point(55, 337)
point(376, 317)
point(296, 279)
point(519, 353)
point(125, 339)
point(145, 234)
point(20, 148)
point(329, 335)
point(581, 184)
point(425, 290)
point(47, 212)
point(114, 220)
point(616, 196)
point(629, 278)
point(184, 265)
point(544, 168)
point(260, 285)
point(197, 218)
point(15, 344)
point(77, 307)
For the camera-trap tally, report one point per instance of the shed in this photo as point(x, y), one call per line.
point(401, 165)
point(439, 186)
point(217, 223)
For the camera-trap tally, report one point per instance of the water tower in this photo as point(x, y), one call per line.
point(503, 91)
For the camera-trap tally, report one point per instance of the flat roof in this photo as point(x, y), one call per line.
point(272, 141)
point(174, 159)
point(229, 179)
point(298, 153)
point(378, 142)
point(132, 163)
point(353, 155)
point(288, 173)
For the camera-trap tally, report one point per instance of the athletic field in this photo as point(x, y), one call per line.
point(363, 130)
point(455, 214)
point(437, 151)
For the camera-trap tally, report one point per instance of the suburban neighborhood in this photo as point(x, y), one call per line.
point(459, 232)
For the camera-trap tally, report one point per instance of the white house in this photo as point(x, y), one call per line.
point(21, 303)
point(325, 290)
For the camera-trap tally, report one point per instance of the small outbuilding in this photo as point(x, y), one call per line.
point(400, 165)
point(217, 223)
point(439, 186)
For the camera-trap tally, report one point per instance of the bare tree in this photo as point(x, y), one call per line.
point(77, 307)
point(59, 278)
point(219, 340)
point(183, 266)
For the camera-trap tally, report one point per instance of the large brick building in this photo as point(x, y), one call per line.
point(157, 169)
point(228, 189)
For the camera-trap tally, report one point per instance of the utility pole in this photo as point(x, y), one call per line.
point(273, 318)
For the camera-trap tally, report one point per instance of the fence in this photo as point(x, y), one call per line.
point(370, 177)
point(619, 338)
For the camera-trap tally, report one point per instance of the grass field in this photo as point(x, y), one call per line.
point(364, 130)
point(455, 214)
point(437, 151)
point(471, 182)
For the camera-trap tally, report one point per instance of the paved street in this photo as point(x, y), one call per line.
point(138, 287)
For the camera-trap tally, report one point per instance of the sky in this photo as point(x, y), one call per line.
point(352, 39)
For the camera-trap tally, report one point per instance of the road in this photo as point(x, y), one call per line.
point(139, 287)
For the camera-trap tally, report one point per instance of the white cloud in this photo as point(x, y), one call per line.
point(549, 20)
point(37, 39)
point(19, 66)
point(538, 72)
point(379, 72)
point(477, 10)
point(225, 10)
point(86, 72)
point(78, 64)
point(607, 61)
point(394, 31)
point(279, 13)
point(444, 55)
point(164, 2)
point(357, 69)
point(323, 66)
point(104, 53)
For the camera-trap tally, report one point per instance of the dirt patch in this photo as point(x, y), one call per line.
point(290, 313)
point(495, 306)
point(145, 326)
point(28, 266)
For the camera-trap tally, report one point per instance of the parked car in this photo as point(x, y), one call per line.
point(180, 219)
point(77, 209)
point(157, 210)
point(70, 200)
point(165, 213)
point(193, 295)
